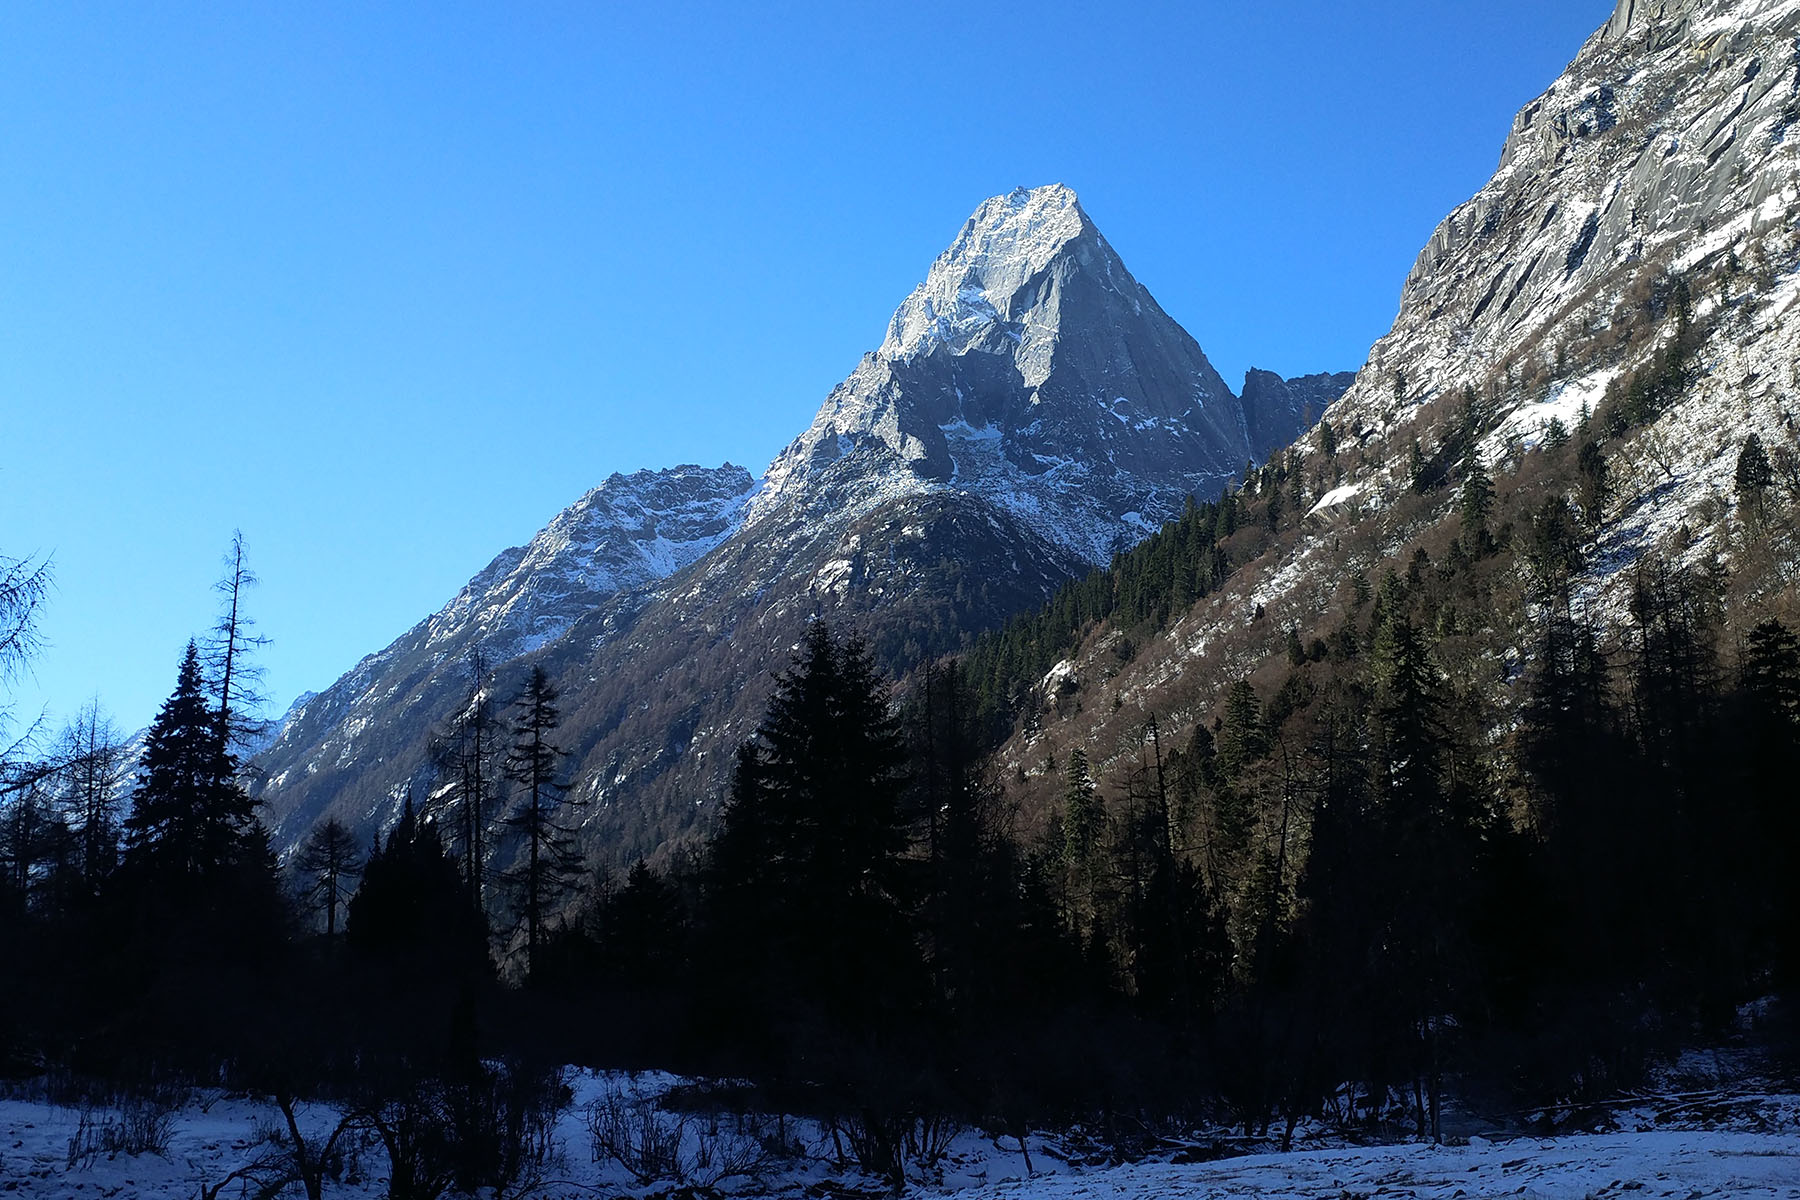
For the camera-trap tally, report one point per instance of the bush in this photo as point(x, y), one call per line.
point(658, 1145)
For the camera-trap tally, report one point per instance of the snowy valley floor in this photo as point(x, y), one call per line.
point(1747, 1146)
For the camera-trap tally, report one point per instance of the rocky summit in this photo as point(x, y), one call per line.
point(1030, 412)
point(1032, 371)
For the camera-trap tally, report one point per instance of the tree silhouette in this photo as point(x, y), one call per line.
point(189, 817)
point(328, 862)
point(534, 763)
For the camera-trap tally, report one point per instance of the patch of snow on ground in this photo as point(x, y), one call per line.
point(1564, 402)
point(1335, 496)
point(1757, 1156)
point(1682, 1164)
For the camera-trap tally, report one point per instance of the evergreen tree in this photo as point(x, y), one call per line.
point(1428, 846)
point(1083, 824)
point(1769, 720)
point(534, 764)
point(1553, 550)
point(412, 910)
point(1596, 484)
point(1754, 475)
point(189, 817)
point(806, 895)
point(641, 929)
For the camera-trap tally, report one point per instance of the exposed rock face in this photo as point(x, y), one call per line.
point(1274, 407)
point(1030, 369)
point(1651, 155)
point(1642, 16)
point(1666, 158)
point(1030, 411)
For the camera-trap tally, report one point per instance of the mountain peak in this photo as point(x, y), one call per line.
point(1008, 241)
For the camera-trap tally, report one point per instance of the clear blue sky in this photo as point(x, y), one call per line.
point(386, 286)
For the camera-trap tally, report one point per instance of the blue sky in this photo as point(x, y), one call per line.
point(386, 286)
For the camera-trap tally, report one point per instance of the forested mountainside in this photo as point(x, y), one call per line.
point(1551, 535)
point(1030, 411)
point(1661, 173)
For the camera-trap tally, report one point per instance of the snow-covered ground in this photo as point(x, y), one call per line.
point(1686, 1164)
point(1744, 1145)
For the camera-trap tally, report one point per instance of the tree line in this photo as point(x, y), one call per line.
point(1427, 851)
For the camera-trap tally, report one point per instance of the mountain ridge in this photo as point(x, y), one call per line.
point(1029, 411)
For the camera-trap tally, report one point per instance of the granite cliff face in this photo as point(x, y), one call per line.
point(1668, 144)
point(1030, 411)
point(1651, 195)
point(1031, 370)
point(1274, 406)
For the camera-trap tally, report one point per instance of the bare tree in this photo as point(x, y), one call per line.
point(23, 584)
point(466, 753)
point(236, 680)
point(94, 770)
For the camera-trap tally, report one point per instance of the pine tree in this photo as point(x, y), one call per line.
point(1428, 847)
point(1754, 475)
point(805, 890)
point(641, 929)
point(534, 763)
point(1083, 817)
point(189, 818)
point(1553, 549)
point(413, 910)
point(1769, 718)
point(1596, 484)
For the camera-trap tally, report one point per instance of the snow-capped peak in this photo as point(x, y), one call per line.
point(972, 286)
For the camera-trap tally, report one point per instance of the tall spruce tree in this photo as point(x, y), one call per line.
point(189, 819)
point(806, 895)
point(534, 764)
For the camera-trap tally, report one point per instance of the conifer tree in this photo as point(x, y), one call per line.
point(1083, 817)
point(93, 771)
point(1596, 483)
point(465, 753)
point(641, 929)
point(232, 677)
point(1769, 718)
point(1753, 475)
point(534, 764)
point(806, 891)
point(189, 818)
point(412, 909)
